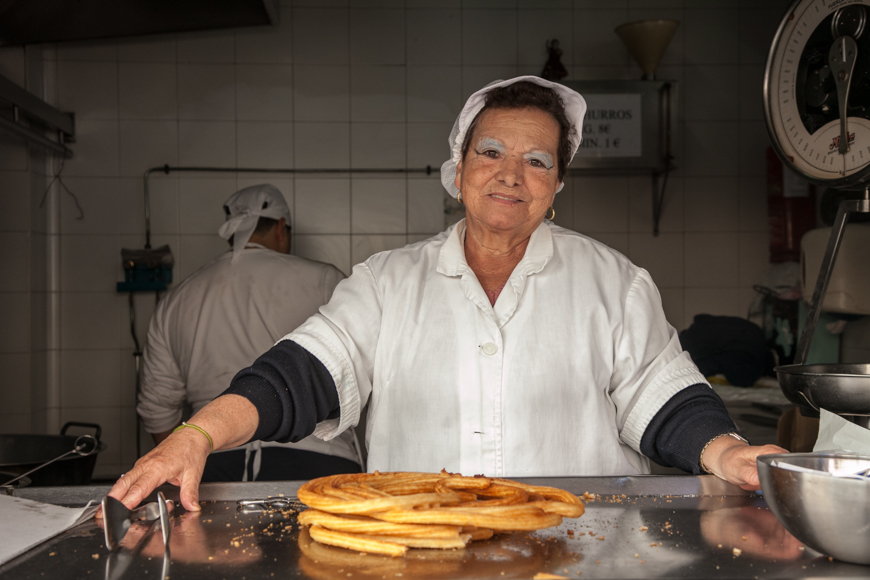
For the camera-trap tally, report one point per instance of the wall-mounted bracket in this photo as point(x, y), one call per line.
point(31, 117)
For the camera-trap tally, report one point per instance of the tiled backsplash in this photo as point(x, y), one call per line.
point(358, 84)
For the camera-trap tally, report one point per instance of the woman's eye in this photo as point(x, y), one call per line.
point(536, 163)
point(491, 153)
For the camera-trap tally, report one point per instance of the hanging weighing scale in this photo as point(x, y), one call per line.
point(817, 109)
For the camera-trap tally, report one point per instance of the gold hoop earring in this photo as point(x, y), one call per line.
point(459, 197)
point(550, 217)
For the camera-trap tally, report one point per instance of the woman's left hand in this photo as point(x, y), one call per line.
point(734, 461)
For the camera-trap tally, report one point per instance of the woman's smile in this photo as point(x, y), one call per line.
point(508, 177)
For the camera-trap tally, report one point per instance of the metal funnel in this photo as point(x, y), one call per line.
point(647, 41)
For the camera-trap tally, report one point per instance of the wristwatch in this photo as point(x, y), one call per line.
point(737, 436)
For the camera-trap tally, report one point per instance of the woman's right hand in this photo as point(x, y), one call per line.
point(179, 460)
point(229, 420)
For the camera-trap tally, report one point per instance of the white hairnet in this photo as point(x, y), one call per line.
point(245, 208)
point(575, 109)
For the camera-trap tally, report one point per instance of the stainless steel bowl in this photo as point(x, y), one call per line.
point(843, 389)
point(829, 514)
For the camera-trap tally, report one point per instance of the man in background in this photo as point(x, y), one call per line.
point(224, 316)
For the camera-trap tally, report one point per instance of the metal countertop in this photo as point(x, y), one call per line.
point(639, 527)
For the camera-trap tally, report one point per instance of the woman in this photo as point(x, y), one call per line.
point(505, 345)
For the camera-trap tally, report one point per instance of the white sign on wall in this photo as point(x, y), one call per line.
point(612, 126)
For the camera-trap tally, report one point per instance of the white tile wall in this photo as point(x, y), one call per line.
point(377, 93)
point(434, 93)
point(322, 93)
point(355, 84)
point(712, 259)
point(489, 36)
point(264, 144)
point(321, 145)
point(425, 205)
point(200, 202)
point(89, 263)
point(378, 206)
point(15, 370)
point(320, 36)
point(159, 48)
point(90, 89)
point(15, 201)
point(87, 320)
point(331, 249)
point(207, 143)
point(660, 256)
point(541, 24)
point(711, 204)
point(15, 314)
point(210, 46)
point(711, 36)
point(14, 256)
point(146, 144)
point(147, 90)
point(322, 206)
point(207, 92)
point(640, 204)
point(89, 378)
point(365, 246)
point(96, 149)
point(434, 36)
point(264, 92)
point(377, 145)
point(600, 204)
point(12, 155)
point(377, 36)
point(266, 45)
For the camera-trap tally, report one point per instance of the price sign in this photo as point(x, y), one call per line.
point(612, 127)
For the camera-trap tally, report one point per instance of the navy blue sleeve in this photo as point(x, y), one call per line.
point(681, 428)
point(291, 390)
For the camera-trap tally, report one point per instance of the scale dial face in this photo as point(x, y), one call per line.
point(806, 83)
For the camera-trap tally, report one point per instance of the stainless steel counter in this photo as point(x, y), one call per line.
point(639, 527)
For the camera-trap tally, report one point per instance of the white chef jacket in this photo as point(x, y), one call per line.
point(560, 377)
point(218, 321)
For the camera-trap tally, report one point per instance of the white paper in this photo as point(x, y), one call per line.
point(838, 433)
point(26, 523)
point(613, 126)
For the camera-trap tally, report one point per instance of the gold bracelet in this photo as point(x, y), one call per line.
point(201, 430)
point(701, 456)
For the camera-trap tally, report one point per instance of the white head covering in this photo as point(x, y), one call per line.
point(575, 109)
point(245, 208)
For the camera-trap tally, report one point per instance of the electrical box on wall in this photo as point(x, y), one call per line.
point(146, 270)
point(628, 125)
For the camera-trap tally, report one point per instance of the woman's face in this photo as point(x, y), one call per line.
point(508, 177)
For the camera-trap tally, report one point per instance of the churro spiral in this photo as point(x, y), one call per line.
point(386, 513)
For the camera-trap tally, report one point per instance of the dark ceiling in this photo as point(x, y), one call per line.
point(35, 21)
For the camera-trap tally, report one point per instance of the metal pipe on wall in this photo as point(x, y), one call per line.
point(168, 169)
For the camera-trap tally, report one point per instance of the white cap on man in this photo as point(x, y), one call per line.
point(245, 208)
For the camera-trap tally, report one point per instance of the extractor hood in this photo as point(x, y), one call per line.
point(35, 21)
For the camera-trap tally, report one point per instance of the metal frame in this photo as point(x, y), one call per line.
point(35, 109)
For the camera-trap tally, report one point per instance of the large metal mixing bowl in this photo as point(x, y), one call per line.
point(829, 514)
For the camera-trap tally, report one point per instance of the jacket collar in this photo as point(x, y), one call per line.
point(452, 262)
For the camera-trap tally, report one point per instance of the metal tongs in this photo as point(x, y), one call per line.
point(84, 445)
point(117, 519)
point(247, 506)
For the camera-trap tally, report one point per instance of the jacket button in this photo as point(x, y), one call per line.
point(489, 349)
